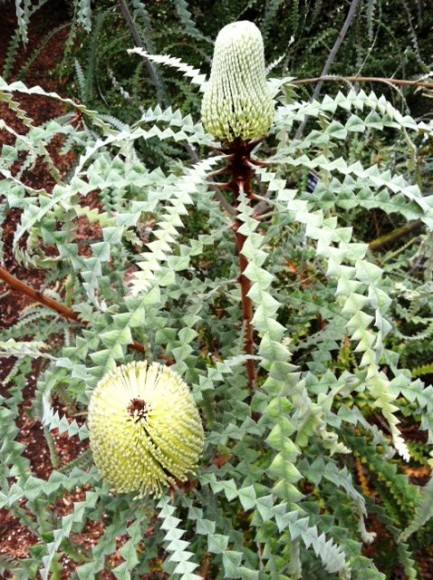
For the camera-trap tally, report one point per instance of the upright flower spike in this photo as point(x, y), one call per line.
point(236, 101)
point(145, 429)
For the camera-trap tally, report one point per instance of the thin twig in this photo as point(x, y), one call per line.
point(161, 97)
point(61, 309)
point(341, 36)
point(395, 235)
point(356, 79)
point(331, 57)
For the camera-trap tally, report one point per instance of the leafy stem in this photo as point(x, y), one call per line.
point(247, 306)
point(242, 169)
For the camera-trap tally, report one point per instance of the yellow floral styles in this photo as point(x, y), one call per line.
point(145, 429)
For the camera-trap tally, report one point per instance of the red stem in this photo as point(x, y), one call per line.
point(242, 170)
point(355, 79)
point(61, 309)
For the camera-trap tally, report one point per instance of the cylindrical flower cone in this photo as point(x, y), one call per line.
point(237, 103)
point(145, 429)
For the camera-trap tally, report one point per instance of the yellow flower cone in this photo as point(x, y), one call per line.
point(145, 429)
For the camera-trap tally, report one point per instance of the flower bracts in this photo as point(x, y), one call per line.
point(145, 429)
point(237, 102)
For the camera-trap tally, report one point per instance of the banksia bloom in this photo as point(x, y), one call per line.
point(145, 429)
point(236, 101)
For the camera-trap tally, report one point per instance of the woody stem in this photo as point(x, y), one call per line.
point(37, 296)
point(242, 171)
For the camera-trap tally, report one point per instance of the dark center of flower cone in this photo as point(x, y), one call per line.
point(138, 409)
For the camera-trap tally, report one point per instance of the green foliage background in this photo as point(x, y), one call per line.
point(342, 330)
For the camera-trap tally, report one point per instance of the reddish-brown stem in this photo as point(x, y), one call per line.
point(61, 309)
point(21, 287)
point(355, 79)
point(242, 171)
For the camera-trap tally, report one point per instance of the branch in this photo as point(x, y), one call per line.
point(355, 79)
point(331, 57)
point(61, 309)
point(162, 100)
point(21, 287)
point(395, 235)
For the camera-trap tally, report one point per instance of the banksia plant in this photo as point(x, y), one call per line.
point(237, 103)
point(145, 429)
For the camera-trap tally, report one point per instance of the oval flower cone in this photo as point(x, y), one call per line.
point(237, 103)
point(145, 429)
